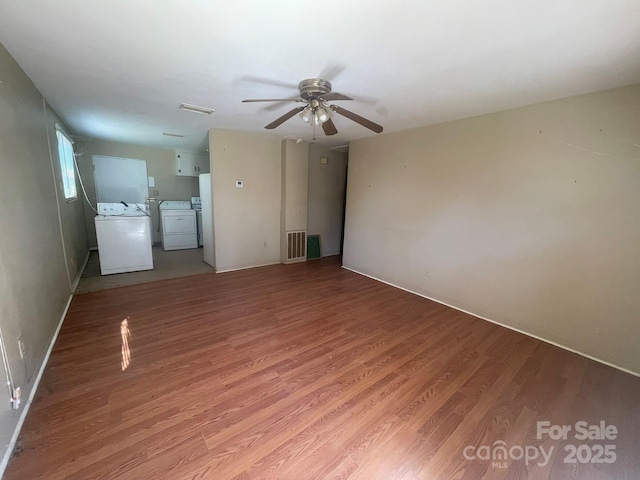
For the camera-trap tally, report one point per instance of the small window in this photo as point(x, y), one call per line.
point(65, 153)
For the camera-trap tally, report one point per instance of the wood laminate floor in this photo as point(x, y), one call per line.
point(308, 372)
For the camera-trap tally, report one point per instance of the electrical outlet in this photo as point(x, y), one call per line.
point(21, 347)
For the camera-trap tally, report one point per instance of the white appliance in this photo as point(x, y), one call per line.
point(178, 225)
point(196, 204)
point(124, 238)
point(208, 240)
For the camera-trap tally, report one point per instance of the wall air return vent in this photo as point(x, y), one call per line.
point(296, 245)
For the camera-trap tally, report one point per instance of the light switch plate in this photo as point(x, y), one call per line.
point(324, 161)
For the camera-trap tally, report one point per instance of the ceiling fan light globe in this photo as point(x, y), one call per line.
point(322, 115)
point(306, 115)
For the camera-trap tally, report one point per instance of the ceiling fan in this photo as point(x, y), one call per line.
point(316, 93)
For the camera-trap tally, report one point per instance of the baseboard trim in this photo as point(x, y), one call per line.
point(235, 269)
point(297, 260)
point(25, 409)
point(79, 275)
point(542, 339)
point(331, 254)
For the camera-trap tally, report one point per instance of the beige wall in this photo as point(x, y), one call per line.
point(35, 280)
point(295, 180)
point(161, 165)
point(529, 217)
point(246, 220)
point(326, 197)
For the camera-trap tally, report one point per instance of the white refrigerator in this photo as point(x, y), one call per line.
point(208, 242)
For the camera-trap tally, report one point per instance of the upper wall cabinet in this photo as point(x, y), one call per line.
point(191, 164)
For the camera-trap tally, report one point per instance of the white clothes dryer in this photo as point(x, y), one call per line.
point(178, 225)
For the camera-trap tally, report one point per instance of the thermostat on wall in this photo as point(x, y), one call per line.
point(239, 184)
point(324, 160)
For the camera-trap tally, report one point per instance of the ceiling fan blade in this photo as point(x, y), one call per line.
point(284, 118)
point(268, 81)
point(335, 96)
point(277, 105)
point(251, 100)
point(329, 127)
point(357, 118)
point(331, 71)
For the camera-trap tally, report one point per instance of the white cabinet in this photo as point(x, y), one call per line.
point(191, 164)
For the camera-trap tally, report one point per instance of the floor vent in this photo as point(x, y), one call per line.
point(296, 245)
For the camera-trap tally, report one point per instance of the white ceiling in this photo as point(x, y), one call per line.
point(118, 69)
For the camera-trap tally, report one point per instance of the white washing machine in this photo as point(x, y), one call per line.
point(124, 238)
point(178, 225)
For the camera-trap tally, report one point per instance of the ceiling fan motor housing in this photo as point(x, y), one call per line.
point(312, 88)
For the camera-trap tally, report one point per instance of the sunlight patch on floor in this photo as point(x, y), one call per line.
point(125, 333)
